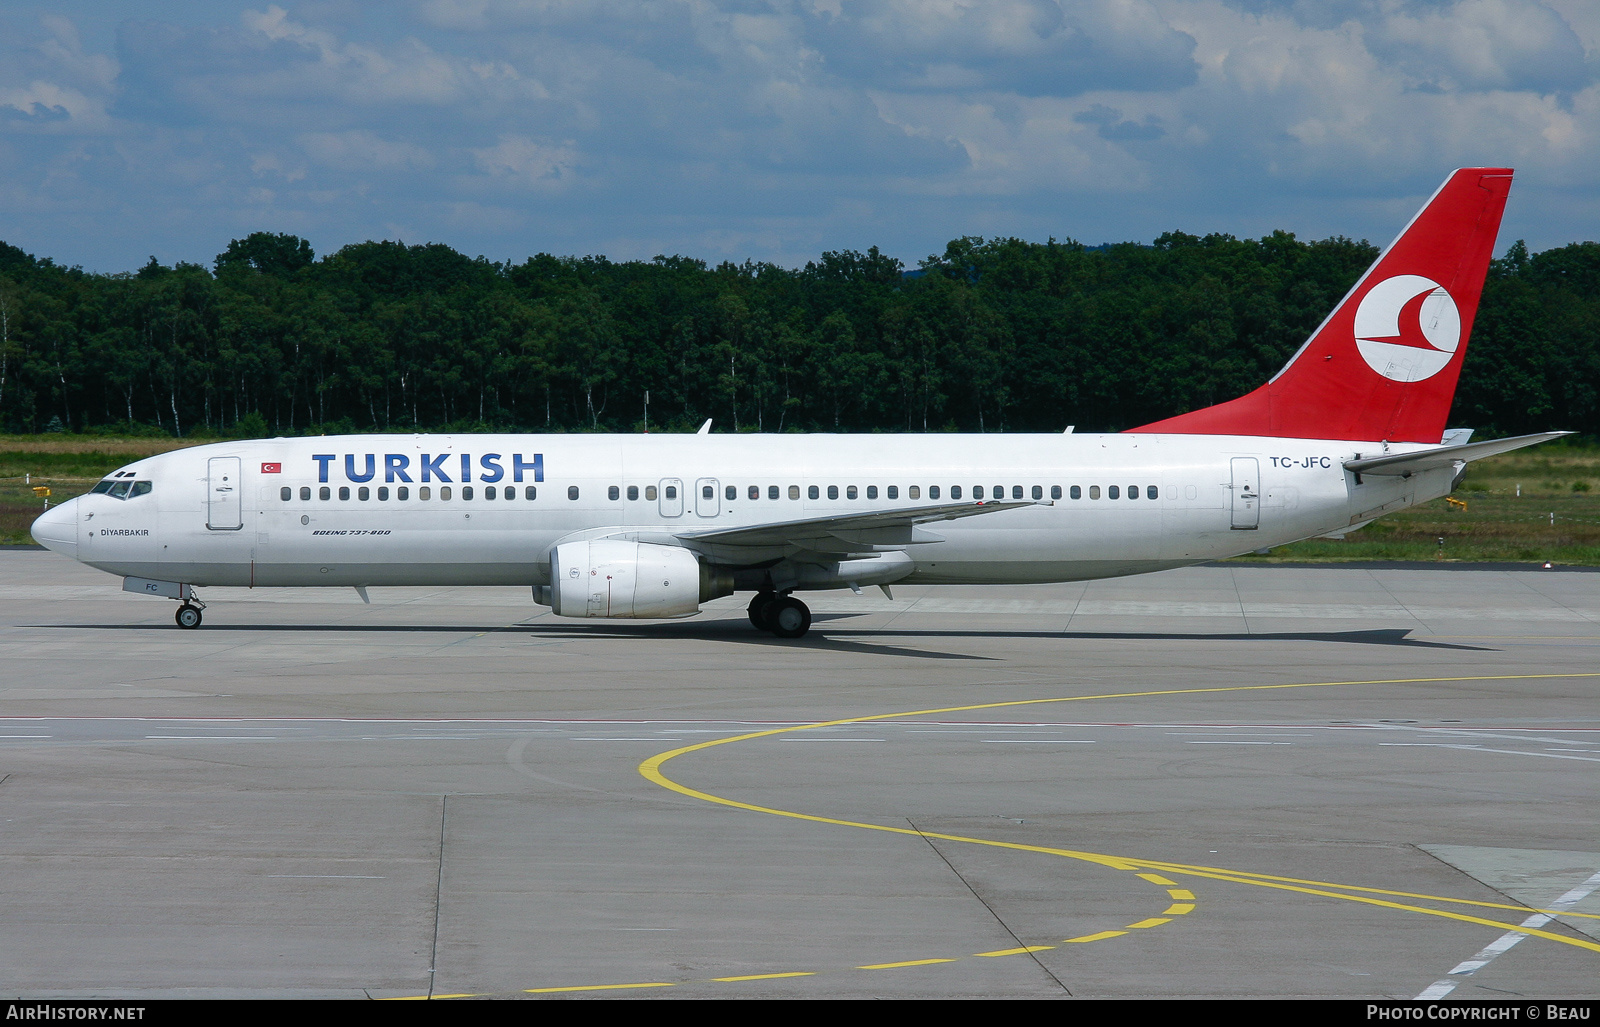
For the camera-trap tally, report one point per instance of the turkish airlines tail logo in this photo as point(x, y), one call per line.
point(1407, 328)
point(1411, 333)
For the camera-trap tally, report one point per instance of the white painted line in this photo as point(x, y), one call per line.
point(212, 738)
point(625, 739)
point(27, 736)
point(1502, 944)
point(1479, 748)
point(1032, 741)
point(1230, 741)
point(337, 877)
point(833, 739)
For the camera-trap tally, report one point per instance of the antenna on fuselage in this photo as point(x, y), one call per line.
point(705, 429)
point(1070, 429)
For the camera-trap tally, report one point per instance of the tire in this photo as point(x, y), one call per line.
point(760, 610)
point(188, 616)
point(790, 618)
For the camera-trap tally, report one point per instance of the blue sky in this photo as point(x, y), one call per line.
point(774, 130)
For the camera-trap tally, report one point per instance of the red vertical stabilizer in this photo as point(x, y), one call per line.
point(1384, 364)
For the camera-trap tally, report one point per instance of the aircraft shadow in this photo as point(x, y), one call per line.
point(823, 636)
point(831, 637)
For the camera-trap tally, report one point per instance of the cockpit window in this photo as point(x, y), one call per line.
point(122, 489)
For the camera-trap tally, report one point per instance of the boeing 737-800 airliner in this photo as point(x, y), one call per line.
point(650, 526)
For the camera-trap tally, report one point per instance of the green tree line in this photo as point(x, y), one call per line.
point(990, 335)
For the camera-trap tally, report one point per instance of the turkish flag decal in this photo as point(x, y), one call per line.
point(271, 468)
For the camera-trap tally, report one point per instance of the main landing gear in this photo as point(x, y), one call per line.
point(784, 616)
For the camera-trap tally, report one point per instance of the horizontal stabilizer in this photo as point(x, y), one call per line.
point(1445, 456)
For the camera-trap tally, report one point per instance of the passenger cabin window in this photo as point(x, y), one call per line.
point(672, 492)
point(755, 492)
point(612, 492)
point(892, 492)
point(572, 492)
point(402, 493)
point(707, 492)
point(529, 492)
point(1016, 492)
point(633, 492)
point(812, 493)
point(1077, 492)
point(489, 492)
point(1055, 492)
point(363, 493)
point(1150, 490)
point(833, 492)
point(466, 492)
point(324, 493)
point(794, 492)
point(872, 492)
point(425, 493)
point(1133, 492)
point(850, 492)
point(286, 493)
point(955, 492)
point(772, 492)
point(915, 492)
point(1111, 492)
point(344, 492)
point(1094, 491)
point(511, 492)
point(933, 492)
point(732, 492)
point(444, 492)
point(305, 492)
point(650, 493)
point(1038, 492)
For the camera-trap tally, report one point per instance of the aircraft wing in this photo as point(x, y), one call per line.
point(1405, 464)
point(878, 531)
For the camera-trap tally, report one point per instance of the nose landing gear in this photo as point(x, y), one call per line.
point(188, 615)
point(784, 616)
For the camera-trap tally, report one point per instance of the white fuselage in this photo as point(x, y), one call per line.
point(194, 527)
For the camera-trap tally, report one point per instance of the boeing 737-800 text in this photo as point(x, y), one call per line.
point(649, 526)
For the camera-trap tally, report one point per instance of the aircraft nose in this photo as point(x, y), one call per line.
point(57, 529)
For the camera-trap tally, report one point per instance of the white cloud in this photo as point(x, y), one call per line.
point(361, 150)
point(529, 163)
point(52, 86)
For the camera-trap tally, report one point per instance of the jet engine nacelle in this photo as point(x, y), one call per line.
point(605, 578)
